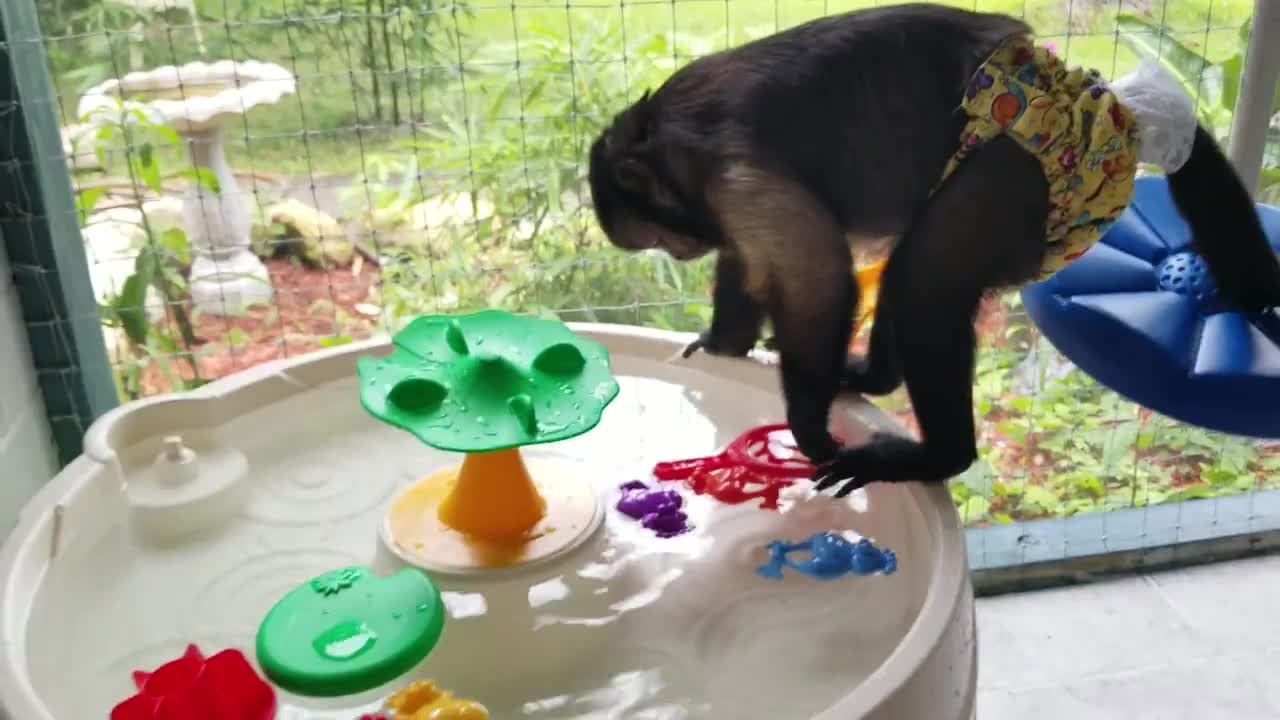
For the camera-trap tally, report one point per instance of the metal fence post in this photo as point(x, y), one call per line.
point(1252, 116)
point(41, 234)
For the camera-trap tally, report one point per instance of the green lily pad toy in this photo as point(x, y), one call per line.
point(486, 384)
point(488, 381)
point(348, 631)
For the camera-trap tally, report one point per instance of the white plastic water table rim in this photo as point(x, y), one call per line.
point(294, 375)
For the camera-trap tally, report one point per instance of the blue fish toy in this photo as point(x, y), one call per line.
point(830, 556)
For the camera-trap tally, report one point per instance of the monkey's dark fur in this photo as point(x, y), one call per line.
point(780, 153)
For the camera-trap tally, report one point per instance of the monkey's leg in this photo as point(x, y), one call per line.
point(984, 228)
point(736, 317)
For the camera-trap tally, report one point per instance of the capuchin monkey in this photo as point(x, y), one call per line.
point(781, 154)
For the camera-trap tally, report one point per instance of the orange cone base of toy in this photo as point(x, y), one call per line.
point(494, 498)
point(868, 290)
point(494, 512)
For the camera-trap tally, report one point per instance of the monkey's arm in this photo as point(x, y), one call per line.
point(736, 316)
point(787, 236)
point(812, 325)
point(984, 228)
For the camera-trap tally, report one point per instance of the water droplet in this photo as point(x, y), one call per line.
point(566, 389)
point(481, 420)
point(396, 615)
point(345, 641)
point(424, 607)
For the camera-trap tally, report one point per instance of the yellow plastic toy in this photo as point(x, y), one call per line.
point(493, 498)
point(485, 384)
point(424, 700)
point(868, 290)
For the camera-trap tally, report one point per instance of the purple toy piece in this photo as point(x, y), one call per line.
point(656, 509)
point(666, 525)
point(639, 500)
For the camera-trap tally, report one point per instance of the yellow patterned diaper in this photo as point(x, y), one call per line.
point(1084, 138)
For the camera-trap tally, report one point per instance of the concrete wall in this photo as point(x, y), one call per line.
point(27, 457)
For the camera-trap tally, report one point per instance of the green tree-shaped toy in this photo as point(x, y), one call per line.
point(486, 384)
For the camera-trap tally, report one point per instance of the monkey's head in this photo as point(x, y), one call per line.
point(644, 189)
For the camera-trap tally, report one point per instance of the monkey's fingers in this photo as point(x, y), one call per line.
point(850, 486)
point(694, 346)
point(843, 471)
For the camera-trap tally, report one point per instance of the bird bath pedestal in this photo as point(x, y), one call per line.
point(197, 100)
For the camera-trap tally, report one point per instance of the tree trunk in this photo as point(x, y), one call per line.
point(371, 59)
point(386, 46)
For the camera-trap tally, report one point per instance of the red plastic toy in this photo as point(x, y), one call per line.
point(735, 485)
point(757, 464)
point(222, 687)
point(753, 450)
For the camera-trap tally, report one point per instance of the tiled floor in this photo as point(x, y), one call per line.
point(1200, 644)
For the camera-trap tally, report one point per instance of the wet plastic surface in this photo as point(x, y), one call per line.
point(1139, 312)
point(628, 625)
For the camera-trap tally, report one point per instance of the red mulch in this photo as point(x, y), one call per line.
point(310, 305)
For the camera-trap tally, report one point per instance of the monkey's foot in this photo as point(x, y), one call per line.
point(884, 458)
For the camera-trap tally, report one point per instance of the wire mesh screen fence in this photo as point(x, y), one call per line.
point(385, 158)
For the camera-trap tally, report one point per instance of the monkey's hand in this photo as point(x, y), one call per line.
point(711, 344)
point(884, 458)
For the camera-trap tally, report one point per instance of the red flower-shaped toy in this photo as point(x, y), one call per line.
point(766, 449)
point(759, 463)
point(192, 687)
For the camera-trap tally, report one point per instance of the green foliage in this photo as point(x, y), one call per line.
point(93, 40)
point(1204, 80)
point(158, 265)
point(1076, 447)
point(391, 51)
point(514, 148)
point(1215, 86)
